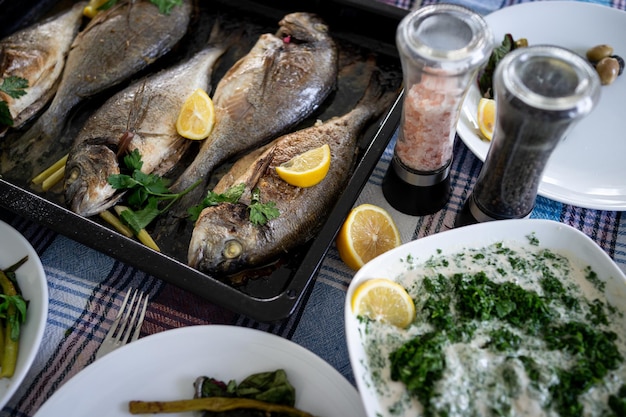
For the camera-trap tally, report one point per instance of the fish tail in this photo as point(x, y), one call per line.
point(224, 36)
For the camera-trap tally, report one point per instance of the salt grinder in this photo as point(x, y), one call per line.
point(541, 92)
point(441, 49)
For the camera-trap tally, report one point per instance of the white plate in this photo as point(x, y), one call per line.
point(163, 367)
point(587, 169)
point(556, 236)
point(32, 281)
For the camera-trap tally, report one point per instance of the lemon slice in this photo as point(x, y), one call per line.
point(367, 232)
point(306, 169)
point(91, 9)
point(384, 300)
point(486, 117)
point(196, 117)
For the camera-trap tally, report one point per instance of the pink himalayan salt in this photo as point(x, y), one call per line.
point(429, 124)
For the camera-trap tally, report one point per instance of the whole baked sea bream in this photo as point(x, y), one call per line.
point(282, 80)
point(141, 117)
point(37, 54)
point(116, 44)
point(225, 241)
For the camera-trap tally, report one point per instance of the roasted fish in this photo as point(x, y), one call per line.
point(143, 117)
point(281, 81)
point(224, 241)
point(37, 54)
point(115, 45)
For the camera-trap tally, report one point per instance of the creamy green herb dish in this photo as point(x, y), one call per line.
point(513, 327)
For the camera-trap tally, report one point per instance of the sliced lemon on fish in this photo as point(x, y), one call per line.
point(91, 9)
point(367, 232)
point(306, 169)
point(486, 117)
point(384, 300)
point(197, 116)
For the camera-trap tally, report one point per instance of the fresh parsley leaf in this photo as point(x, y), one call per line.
point(166, 6)
point(5, 115)
point(144, 192)
point(107, 5)
point(261, 213)
point(15, 87)
point(140, 219)
point(258, 213)
point(231, 195)
point(133, 160)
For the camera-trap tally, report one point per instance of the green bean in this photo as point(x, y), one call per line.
point(11, 343)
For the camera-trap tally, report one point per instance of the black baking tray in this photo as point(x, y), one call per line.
point(271, 294)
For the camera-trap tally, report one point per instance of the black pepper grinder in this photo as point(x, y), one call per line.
point(541, 92)
point(441, 47)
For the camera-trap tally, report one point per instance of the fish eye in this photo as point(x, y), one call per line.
point(232, 249)
point(73, 175)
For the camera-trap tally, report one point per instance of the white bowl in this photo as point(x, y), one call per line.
point(379, 392)
point(32, 281)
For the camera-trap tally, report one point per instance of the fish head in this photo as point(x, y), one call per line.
point(87, 190)
point(224, 241)
point(302, 27)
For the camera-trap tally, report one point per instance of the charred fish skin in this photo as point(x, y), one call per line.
point(224, 241)
point(282, 80)
point(37, 54)
point(116, 44)
point(143, 117)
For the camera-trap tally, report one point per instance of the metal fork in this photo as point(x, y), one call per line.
point(125, 321)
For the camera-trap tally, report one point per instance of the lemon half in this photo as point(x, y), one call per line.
point(367, 232)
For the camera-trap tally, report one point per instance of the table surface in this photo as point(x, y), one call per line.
point(86, 287)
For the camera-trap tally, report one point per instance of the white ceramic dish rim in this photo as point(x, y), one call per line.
point(551, 234)
point(136, 372)
point(596, 141)
point(32, 280)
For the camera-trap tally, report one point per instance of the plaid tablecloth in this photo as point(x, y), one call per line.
point(86, 287)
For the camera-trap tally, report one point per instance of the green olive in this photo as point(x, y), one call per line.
point(598, 52)
point(608, 69)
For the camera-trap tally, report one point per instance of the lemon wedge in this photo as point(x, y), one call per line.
point(486, 117)
point(196, 117)
point(384, 300)
point(306, 169)
point(367, 232)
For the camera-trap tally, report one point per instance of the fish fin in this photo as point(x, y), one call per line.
point(260, 168)
point(238, 105)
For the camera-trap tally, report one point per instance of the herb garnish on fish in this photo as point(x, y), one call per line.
point(145, 191)
point(165, 6)
point(259, 213)
point(14, 87)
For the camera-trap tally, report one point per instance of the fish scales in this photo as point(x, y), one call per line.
point(116, 44)
point(282, 80)
point(37, 54)
point(146, 113)
point(224, 241)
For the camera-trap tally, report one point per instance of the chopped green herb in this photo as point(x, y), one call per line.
point(165, 6)
point(144, 192)
point(261, 213)
point(14, 87)
point(258, 213)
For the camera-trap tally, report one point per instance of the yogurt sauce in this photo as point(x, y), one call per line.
point(478, 380)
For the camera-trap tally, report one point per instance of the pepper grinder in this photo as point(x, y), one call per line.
point(441, 48)
point(541, 92)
